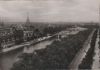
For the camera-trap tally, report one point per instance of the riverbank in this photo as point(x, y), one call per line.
point(8, 59)
point(15, 47)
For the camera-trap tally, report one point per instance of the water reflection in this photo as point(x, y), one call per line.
point(7, 60)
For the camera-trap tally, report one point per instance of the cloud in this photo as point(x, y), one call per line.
point(50, 10)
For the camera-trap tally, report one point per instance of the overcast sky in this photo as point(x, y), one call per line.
point(50, 10)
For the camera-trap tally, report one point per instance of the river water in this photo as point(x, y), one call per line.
point(7, 60)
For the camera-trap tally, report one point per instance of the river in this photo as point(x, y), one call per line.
point(7, 60)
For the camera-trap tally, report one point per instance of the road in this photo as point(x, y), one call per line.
point(96, 63)
point(81, 54)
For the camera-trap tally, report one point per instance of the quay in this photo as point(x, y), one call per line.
point(25, 44)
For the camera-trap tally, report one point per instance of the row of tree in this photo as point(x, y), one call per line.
point(88, 60)
point(99, 38)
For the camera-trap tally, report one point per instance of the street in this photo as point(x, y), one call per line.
point(96, 63)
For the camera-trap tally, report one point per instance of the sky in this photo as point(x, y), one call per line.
point(50, 10)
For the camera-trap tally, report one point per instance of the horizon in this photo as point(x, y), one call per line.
point(49, 10)
point(18, 22)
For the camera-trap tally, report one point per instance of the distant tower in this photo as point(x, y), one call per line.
point(27, 21)
point(99, 15)
point(1, 23)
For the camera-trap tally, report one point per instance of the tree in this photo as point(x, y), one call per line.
point(0, 44)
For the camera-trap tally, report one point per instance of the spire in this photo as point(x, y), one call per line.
point(27, 20)
point(99, 14)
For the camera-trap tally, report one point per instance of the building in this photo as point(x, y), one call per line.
point(6, 37)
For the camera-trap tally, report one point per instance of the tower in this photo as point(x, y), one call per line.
point(99, 16)
point(27, 21)
point(1, 23)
